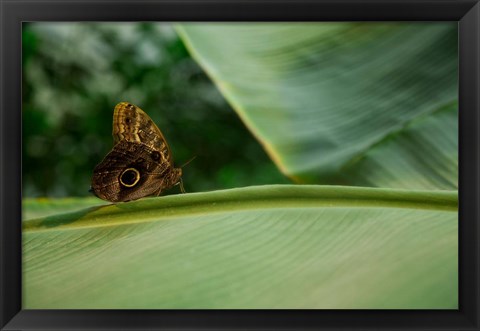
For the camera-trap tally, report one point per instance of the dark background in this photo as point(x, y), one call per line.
point(75, 73)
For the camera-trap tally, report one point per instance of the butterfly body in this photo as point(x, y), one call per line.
point(140, 163)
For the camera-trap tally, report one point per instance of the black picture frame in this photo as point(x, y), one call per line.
point(14, 12)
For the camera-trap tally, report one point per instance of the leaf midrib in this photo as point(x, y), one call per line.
point(243, 199)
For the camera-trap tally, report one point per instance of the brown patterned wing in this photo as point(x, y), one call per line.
point(132, 171)
point(132, 124)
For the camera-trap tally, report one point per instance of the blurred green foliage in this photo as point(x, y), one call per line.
point(75, 73)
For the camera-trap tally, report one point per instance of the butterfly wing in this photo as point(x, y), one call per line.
point(132, 124)
point(140, 163)
point(129, 172)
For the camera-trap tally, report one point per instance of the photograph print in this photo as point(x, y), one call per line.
point(240, 165)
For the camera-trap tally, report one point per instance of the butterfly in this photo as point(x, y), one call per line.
point(140, 163)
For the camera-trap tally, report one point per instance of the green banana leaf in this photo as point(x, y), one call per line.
point(280, 246)
point(41, 207)
point(367, 104)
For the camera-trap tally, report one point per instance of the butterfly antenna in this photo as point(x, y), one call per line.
point(193, 158)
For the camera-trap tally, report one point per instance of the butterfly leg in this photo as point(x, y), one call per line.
point(181, 185)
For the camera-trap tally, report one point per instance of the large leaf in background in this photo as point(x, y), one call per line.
point(346, 103)
point(258, 247)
